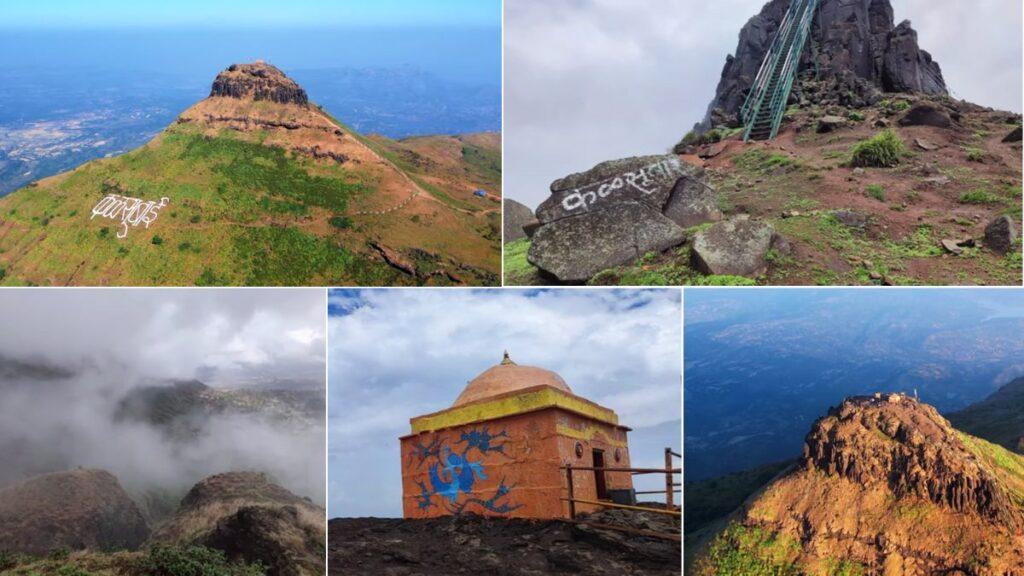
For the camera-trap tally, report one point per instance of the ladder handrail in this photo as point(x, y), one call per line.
point(786, 51)
point(764, 72)
point(792, 67)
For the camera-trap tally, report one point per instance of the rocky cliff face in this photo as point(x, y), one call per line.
point(885, 486)
point(258, 81)
point(898, 442)
point(854, 44)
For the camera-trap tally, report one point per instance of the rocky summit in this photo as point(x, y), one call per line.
point(885, 486)
point(258, 81)
point(855, 45)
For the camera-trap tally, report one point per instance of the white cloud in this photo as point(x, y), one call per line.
point(592, 80)
point(396, 354)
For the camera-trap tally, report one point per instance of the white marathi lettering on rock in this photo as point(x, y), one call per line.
point(640, 180)
point(130, 211)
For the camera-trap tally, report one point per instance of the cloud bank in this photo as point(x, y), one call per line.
point(68, 358)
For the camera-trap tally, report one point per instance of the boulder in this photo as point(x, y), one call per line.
point(828, 124)
point(645, 179)
point(1001, 235)
point(1014, 136)
point(575, 249)
point(515, 218)
point(692, 202)
point(851, 219)
point(78, 510)
point(735, 247)
point(926, 114)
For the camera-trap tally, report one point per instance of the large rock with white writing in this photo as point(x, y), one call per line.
point(645, 179)
point(575, 249)
point(736, 247)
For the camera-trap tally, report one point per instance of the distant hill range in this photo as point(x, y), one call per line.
point(255, 185)
point(885, 485)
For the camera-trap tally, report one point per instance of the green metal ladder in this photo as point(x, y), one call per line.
point(765, 104)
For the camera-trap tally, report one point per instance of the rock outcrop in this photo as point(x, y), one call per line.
point(77, 510)
point(885, 486)
point(1001, 235)
point(249, 517)
point(896, 441)
point(258, 81)
point(516, 218)
point(855, 46)
point(616, 212)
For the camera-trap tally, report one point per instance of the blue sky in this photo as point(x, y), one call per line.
point(234, 13)
point(395, 354)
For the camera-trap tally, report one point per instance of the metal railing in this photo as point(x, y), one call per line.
point(671, 488)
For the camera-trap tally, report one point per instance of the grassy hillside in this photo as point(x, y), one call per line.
point(245, 208)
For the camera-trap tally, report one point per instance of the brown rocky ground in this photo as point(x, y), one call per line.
point(503, 547)
point(965, 178)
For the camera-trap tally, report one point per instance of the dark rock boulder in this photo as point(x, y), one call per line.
point(78, 510)
point(278, 538)
point(926, 114)
point(248, 516)
point(575, 249)
point(828, 124)
point(645, 179)
point(855, 50)
point(735, 247)
point(1001, 235)
point(514, 220)
point(1014, 136)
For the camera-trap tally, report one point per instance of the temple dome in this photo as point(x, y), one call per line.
point(508, 377)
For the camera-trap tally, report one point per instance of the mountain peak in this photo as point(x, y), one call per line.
point(258, 81)
point(896, 441)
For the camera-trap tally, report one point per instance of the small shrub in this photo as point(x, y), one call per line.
point(194, 561)
point(73, 570)
point(3, 273)
point(59, 554)
point(899, 106)
point(194, 219)
point(978, 196)
point(104, 232)
point(8, 560)
point(876, 191)
point(156, 241)
point(884, 150)
point(184, 246)
point(341, 222)
point(855, 116)
point(975, 154)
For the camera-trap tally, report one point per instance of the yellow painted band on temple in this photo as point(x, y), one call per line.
point(588, 435)
point(510, 406)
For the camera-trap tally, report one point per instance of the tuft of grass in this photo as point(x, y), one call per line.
point(518, 270)
point(341, 222)
point(855, 116)
point(876, 191)
point(763, 162)
point(979, 196)
point(156, 241)
point(974, 154)
point(884, 150)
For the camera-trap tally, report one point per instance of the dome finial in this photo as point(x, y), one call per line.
point(506, 361)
